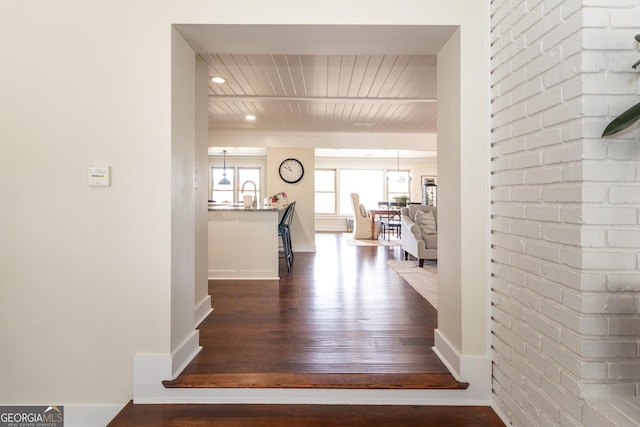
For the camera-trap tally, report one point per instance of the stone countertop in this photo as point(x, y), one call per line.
point(240, 207)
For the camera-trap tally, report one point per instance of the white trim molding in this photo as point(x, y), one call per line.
point(185, 353)
point(475, 370)
point(90, 415)
point(202, 310)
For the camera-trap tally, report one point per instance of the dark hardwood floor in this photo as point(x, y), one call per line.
point(341, 318)
point(305, 416)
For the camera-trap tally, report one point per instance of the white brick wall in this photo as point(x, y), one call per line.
point(566, 211)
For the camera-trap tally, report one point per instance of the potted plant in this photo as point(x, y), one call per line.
point(279, 198)
point(629, 117)
point(404, 199)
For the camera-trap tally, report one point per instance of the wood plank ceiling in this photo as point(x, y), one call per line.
point(323, 93)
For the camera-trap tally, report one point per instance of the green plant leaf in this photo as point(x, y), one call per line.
point(623, 121)
point(637, 37)
point(636, 64)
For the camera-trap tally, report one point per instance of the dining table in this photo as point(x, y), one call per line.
point(373, 213)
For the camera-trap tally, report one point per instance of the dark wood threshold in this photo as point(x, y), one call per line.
point(318, 380)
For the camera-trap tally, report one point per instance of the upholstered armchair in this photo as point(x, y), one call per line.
point(419, 232)
point(361, 221)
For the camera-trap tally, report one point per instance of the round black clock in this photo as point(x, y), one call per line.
point(291, 170)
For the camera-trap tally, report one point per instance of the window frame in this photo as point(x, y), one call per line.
point(233, 174)
point(334, 192)
point(391, 174)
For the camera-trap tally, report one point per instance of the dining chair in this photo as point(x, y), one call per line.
point(389, 222)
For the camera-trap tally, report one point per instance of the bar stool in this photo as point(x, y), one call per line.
point(284, 231)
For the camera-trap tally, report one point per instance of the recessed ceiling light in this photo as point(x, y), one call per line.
point(250, 117)
point(218, 79)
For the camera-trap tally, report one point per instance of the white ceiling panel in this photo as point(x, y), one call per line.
point(316, 78)
point(330, 93)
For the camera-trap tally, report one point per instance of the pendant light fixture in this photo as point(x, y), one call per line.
point(224, 180)
point(400, 177)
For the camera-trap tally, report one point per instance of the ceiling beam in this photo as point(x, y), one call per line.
point(321, 100)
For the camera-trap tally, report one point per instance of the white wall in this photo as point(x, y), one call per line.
point(87, 272)
point(450, 204)
point(565, 205)
point(183, 119)
point(463, 215)
point(302, 192)
point(357, 140)
point(202, 300)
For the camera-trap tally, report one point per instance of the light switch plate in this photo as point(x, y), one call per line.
point(99, 175)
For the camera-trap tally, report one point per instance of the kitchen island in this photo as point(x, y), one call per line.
point(243, 242)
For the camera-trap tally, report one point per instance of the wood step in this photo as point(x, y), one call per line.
point(318, 380)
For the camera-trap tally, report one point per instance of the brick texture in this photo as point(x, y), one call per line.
point(565, 210)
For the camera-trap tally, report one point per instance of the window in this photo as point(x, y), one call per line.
point(369, 184)
point(244, 176)
point(222, 193)
point(325, 183)
point(397, 184)
point(232, 192)
point(372, 185)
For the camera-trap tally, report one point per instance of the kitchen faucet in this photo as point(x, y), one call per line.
point(254, 203)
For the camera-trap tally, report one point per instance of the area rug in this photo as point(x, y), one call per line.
point(360, 242)
point(423, 279)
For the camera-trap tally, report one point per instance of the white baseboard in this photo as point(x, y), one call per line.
point(216, 276)
point(90, 415)
point(150, 370)
point(202, 310)
point(475, 369)
point(184, 354)
point(331, 228)
point(276, 396)
point(501, 413)
point(148, 373)
point(447, 354)
point(304, 247)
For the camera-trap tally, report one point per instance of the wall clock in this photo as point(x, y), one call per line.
point(291, 170)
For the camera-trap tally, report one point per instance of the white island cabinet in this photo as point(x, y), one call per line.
point(243, 243)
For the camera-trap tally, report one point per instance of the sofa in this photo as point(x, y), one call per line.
point(419, 232)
